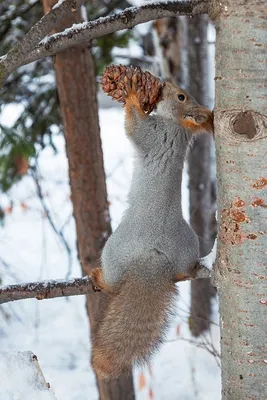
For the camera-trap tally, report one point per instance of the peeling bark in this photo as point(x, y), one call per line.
point(241, 143)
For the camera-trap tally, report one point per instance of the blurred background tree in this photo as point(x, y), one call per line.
point(33, 87)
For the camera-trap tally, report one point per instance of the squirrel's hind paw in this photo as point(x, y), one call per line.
point(96, 277)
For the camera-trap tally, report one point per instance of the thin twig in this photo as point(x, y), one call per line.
point(9, 268)
point(201, 345)
point(203, 319)
point(59, 233)
point(66, 222)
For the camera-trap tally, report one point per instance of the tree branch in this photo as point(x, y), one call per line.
point(14, 58)
point(83, 33)
point(73, 287)
point(46, 290)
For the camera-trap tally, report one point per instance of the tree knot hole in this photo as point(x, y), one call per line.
point(244, 124)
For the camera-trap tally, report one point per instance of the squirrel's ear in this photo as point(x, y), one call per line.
point(198, 120)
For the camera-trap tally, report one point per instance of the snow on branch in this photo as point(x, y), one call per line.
point(130, 17)
point(14, 58)
point(46, 290)
point(84, 32)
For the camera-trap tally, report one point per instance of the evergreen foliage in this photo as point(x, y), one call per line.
point(33, 86)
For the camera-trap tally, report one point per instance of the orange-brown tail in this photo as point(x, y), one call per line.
point(132, 326)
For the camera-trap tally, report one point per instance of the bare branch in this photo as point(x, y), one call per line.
point(58, 232)
point(204, 344)
point(128, 18)
point(46, 290)
point(52, 289)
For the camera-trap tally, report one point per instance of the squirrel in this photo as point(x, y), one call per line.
point(153, 246)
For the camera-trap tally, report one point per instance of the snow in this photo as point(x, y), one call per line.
point(210, 259)
point(58, 3)
point(20, 379)
point(57, 330)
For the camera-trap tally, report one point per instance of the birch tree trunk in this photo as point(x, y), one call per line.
point(76, 86)
point(241, 142)
point(202, 207)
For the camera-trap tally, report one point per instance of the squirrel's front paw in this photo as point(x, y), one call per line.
point(120, 82)
point(97, 279)
point(130, 84)
point(132, 90)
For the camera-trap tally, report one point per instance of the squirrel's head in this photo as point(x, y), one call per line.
point(182, 108)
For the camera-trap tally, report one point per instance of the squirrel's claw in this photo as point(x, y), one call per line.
point(134, 83)
point(95, 287)
point(96, 279)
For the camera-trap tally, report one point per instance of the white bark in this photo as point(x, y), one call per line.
point(241, 143)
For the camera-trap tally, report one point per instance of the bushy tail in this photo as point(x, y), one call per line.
point(132, 325)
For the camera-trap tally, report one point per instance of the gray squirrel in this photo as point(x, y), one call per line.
point(153, 247)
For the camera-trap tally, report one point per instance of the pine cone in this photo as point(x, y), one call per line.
point(118, 80)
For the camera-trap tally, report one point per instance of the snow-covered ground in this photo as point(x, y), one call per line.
point(22, 368)
point(57, 330)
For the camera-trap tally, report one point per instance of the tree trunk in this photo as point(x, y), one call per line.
point(77, 93)
point(166, 35)
point(241, 142)
point(202, 207)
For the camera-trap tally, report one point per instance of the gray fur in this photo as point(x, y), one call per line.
point(153, 238)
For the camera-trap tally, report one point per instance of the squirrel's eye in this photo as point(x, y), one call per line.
point(181, 97)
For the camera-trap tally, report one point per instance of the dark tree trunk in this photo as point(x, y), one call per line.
point(202, 208)
point(166, 34)
point(77, 94)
